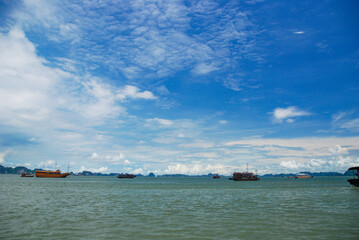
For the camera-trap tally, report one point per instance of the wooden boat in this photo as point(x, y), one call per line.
point(51, 174)
point(27, 175)
point(126, 175)
point(303, 175)
point(244, 176)
point(216, 176)
point(354, 181)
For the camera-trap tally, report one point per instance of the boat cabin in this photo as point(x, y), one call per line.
point(354, 181)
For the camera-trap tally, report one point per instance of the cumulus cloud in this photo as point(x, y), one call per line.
point(196, 169)
point(287, 114)
point(319, 154)
point(290, 164)
point(26, 83)
point(96, 170)
point(134, 93)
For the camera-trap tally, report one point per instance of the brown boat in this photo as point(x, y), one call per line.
point(27, 175)
point(244, 176)
point(303, 175)
point(354, 181)
point(216, 176)
point(51, 174)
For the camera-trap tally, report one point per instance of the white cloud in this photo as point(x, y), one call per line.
point(352, 125)
point(48, 164)
point(147, 38)
point(202, 69)
point(95, 170)
point(26, 83)
point(318, 154)
point(289, 164)
point(338, 150)
point(161, 121)
point(126, 162)
point(134, 93)
point(281, 114)
point(198, 169)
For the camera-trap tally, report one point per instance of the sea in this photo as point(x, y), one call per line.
point(79, 207)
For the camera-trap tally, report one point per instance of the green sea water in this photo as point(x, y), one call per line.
point(177, 208)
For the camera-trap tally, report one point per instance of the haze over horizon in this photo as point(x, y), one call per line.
point(188, 87)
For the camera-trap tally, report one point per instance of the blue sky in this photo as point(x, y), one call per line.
point(187, 87)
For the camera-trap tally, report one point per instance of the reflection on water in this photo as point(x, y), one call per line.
point(177, 208)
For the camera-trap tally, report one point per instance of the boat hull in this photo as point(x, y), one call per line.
point(51, 174)
point(27, 175)
point(126, 176)
point(235, 179)
point(354, 182)
point(303, 177)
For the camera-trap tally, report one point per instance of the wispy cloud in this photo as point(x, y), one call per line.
point(346, 120)
point(299, 32)
point(288, 114)
point(148, 38)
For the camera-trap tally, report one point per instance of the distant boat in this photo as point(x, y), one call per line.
point(244, 176)
point(303, 175)
point(216, 176)
point(354, 181)
point(27, 175)
point(51, 174)
point(126, 175)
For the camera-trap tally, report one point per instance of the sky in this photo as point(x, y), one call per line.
point(189, 87)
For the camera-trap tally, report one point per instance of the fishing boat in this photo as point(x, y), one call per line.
point(354, 181)
point(126, 175)
point(244, 176)
point(216, 176)
point(51, 174)
point(27, 175)
point(303, 175)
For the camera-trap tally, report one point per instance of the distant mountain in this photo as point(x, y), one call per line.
point(21, 169)
point(314, 174)
point(15, 170)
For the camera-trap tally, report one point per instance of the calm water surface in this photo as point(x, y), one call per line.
point(177, 208)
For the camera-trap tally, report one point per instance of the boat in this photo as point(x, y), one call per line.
point(244, 176)
point(27, 175)
point(303, 175)
point(50, 174)
point(216, 176)
point(126, 175)
point(354, 181)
